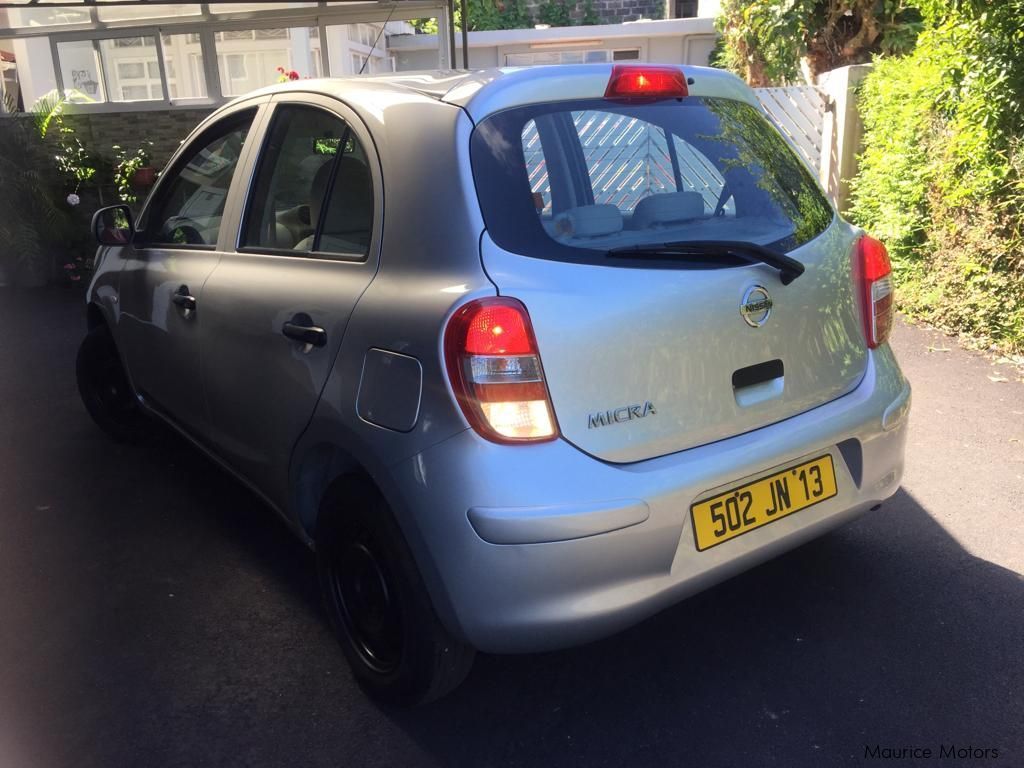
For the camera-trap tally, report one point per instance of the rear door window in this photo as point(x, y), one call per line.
point(313, 194)
point(572, 180)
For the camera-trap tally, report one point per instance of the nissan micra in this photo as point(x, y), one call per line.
point(525, 355)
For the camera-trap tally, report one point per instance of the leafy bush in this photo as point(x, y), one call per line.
point(126, 165)
point(484, 15)
point(35, 219)
point(590, 15)
point(765, 41)
point(554, 12)
point(512, 14)
point(941, 177)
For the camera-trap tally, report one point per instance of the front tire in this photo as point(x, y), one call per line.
point(378, 606)
point(104, 387)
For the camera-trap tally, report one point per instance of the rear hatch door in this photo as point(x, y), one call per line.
point(650, 353)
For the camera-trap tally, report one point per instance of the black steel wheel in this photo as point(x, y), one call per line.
point(397, 648)
point(104, 387)
point(363, 593)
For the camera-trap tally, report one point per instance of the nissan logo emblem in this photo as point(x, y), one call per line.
point(756, 307)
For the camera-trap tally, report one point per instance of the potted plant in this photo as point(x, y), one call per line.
point(132, 170)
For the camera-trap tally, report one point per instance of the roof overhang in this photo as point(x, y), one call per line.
point(85, 15)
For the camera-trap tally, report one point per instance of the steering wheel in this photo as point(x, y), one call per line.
point(184, 230)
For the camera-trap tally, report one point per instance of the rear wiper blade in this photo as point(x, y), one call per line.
point(789, 268)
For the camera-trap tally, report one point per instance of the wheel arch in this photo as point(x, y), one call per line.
point(94, 316)
point(330, 477)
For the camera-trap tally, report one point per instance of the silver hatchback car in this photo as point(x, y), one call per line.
point(526, 355)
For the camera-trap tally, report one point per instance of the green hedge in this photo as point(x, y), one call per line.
point(941, 177)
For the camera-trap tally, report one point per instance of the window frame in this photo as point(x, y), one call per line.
point(356, 127)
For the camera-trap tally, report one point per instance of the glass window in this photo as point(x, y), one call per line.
point(352, 51)
point(131, 69)
point(250, 7)
point(627, 157)
point(397, 46)
point(573, 180)
point(115, 69)
point(249, 59)
point(565, 57)
point(134, 93)
point(628, 55)
point(183, 63)
point(686, 9)
point(190, 201)
point(10, 89)
point(146, 11)
point(536, 169)
point(698, 174)
point(80, 71)
point(127, 66)
point(44, 16)
point(311, 158)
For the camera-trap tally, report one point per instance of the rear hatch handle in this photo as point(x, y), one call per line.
point(754, 253)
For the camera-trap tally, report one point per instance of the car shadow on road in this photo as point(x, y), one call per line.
point(164, 616)
point(886, 632)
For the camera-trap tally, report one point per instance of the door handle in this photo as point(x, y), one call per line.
point(304, 331)
point(184, 300)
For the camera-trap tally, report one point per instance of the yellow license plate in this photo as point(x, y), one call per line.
point(743, 509)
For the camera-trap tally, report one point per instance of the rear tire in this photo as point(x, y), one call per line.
point(378, 606)
point(104, 387)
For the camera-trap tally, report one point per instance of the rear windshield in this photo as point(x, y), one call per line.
point(572, 180)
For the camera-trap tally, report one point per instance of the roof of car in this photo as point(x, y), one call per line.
point(483, 91)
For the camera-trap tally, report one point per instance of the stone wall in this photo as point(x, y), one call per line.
point(617, 11)
point(100, 131)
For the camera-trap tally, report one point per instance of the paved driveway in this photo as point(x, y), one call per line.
point(153, 613)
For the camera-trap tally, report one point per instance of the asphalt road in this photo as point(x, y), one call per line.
point(153, 613)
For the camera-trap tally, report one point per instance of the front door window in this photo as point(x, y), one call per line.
point(190, 203)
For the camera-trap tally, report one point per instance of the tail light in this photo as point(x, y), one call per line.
point(495, 370)
point(873, 276)
point(631, 82)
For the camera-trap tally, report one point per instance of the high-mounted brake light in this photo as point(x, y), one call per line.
point(873, 277)
point(495, 370)
point(631, 82)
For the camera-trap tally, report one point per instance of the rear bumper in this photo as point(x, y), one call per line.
point(528, 548)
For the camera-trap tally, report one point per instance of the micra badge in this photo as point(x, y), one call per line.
point(619, 415)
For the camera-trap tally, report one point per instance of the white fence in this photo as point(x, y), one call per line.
point(821, 121)
point(629, 161)
point(799, 111)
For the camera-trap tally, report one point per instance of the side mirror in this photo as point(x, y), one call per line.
point(113, 225)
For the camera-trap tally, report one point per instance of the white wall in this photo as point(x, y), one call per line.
point(671, 41)
point(708, 9)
